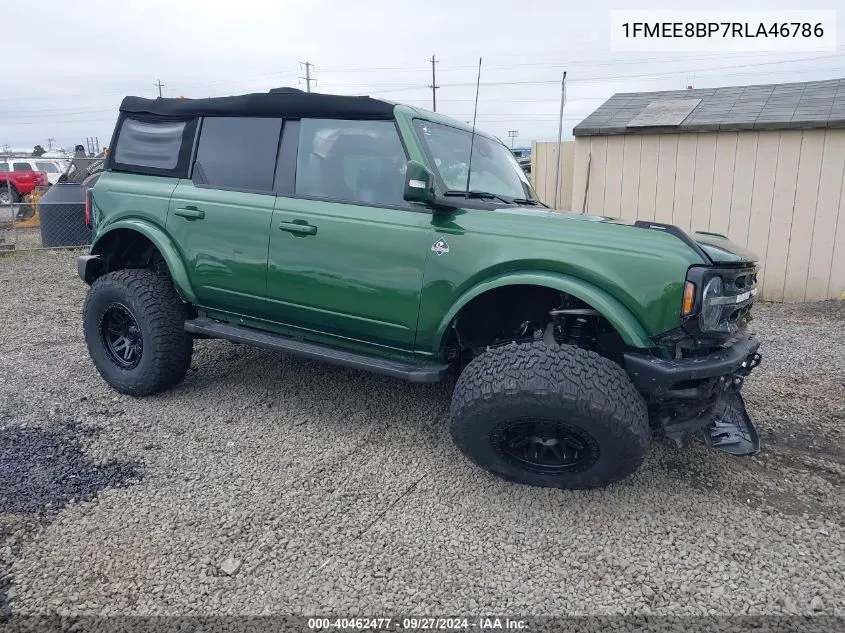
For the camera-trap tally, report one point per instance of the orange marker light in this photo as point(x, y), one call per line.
point(689, 299)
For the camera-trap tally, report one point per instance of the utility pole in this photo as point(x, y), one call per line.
point(159, 85)
point(433, 86)
point(51, 144)
point(307, 77)
point(513, 134)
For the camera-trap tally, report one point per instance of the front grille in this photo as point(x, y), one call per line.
point(740, 291)
point(743, 282)
point(738, 281)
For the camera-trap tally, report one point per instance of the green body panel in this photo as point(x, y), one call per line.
point(368, 277)
point(225, 253)
point(720, 249)
point(629, 328)
point(139, 203)
point(633, 276)
point(359, 276)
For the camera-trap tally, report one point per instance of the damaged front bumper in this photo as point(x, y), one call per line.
point(688, 397)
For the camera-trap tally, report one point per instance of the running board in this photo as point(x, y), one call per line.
point(413, 372)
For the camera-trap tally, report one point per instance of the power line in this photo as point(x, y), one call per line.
point(36, 115)
point(670, 73)
point(30, 115)
point(585, 64)
point(416, 69)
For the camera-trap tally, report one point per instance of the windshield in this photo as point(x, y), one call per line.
point(494, 169)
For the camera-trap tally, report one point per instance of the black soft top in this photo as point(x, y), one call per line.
point(279, 102)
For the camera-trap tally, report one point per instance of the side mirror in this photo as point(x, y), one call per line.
point(419, 183)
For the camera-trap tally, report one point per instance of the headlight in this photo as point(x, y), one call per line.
point(710, 310)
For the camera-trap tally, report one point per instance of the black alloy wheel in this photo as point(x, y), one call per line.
point(545, 446)
point(122, 336)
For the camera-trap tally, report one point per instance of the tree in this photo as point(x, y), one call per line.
point(38, 150)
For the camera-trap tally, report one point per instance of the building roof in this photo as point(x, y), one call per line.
point(812, 104)
point(279, 102)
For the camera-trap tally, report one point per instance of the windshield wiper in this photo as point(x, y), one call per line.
point(532, 202)
point(476, 194)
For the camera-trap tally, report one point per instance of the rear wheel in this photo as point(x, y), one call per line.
point(555, 416)
point(134, 325)
point(8, 196)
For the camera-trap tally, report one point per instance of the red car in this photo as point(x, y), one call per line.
point(23, 180)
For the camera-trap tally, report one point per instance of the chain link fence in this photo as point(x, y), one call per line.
point(35, 214)
point(35, 224)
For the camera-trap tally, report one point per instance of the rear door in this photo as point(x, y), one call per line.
point(347, 253)
point(220, 218)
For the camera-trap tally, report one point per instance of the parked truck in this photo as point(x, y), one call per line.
point(387, 238)
point(15, 184)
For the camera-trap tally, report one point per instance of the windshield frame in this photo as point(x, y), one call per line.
point(441, 184)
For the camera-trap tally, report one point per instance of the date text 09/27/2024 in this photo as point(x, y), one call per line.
point(420, 623)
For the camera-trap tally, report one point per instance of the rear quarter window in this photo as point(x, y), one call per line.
point(155, 147)
point(150, 144)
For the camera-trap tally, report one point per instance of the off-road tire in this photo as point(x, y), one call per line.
point(570, 387)
point(160, 316)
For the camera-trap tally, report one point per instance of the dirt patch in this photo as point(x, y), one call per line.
point(44, 469)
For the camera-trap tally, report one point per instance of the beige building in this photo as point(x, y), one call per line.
point(764, 165)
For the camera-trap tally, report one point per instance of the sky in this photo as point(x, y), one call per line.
point(75, 61)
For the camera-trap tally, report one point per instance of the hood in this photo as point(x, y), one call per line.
point(721, 250)
point(717, 246)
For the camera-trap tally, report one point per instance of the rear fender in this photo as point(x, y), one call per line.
point(164, 245)
point(626, 324)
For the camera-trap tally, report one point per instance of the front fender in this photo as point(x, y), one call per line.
point(165, 246)
point(620, 317)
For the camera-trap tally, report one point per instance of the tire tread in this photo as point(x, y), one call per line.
point(167, 342)
point(559, 376)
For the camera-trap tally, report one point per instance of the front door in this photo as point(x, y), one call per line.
point(221, 218)
point(347, 253)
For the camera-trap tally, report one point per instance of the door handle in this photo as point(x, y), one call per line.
point(191, 213)
point(298, 229)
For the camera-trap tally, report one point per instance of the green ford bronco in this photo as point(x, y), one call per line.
point(398, 241)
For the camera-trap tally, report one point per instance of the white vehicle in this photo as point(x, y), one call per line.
point(53, 167)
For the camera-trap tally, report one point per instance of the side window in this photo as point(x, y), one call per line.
point(150, 145)
point(21, 167)
point(237, 153)
point(4, 167)
point(360, 161)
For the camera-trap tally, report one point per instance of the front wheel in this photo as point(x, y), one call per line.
point(555, 416)
point(134, 324)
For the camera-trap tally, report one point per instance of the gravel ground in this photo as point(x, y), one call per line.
point(17, 237)
point(268, 484)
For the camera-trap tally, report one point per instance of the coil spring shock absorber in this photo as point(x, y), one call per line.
point(576, 326)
